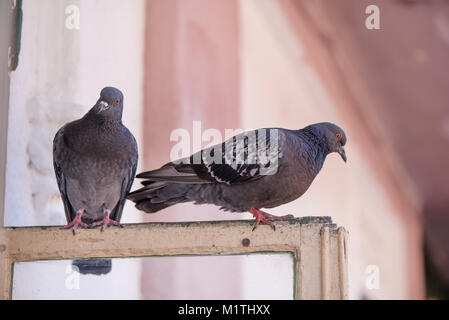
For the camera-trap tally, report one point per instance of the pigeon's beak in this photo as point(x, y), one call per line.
point(103, 106)
point(342, 153)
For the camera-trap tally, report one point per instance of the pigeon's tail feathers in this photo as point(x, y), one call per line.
point(159, 195)
point(167, 172)
point(171, 172)
point(146, 192)
point(149, 207)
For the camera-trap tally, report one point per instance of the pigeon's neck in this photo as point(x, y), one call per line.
point(102, 121)
point(318, 148)
point(89, 135)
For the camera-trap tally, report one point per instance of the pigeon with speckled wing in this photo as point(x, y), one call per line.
point(95, 160)
point(257, 169)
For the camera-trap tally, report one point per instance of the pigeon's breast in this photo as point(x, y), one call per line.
point(298, 168)
point(94, 184)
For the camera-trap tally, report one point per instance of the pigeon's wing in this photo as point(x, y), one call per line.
point(126, 187)
point(245, 157)
point(58, 144)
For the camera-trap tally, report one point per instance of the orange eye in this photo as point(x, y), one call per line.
point(117, 101)
point(338, 136)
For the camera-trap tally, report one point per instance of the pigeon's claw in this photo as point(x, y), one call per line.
point(261, 215)
point(106, 222)
point(75, 223)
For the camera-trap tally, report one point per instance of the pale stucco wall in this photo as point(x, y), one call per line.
point(279, 87)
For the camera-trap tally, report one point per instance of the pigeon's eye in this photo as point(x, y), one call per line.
point(117, 101)
point(338, 136)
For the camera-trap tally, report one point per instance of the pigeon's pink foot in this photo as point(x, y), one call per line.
point(75, 223)
point(261, 215)
point(106, 221)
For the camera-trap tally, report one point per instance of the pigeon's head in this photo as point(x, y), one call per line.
point(334, 136)
point(110, 103)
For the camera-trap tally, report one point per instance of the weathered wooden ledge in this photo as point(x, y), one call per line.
point(319, 247)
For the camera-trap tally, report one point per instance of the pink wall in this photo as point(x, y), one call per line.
point(338, 45)
point(191, 73)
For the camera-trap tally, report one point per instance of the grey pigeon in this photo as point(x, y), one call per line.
point(95, 160)
point(257, 169)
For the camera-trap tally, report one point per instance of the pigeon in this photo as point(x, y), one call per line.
point(262, 168)
point(95, 160)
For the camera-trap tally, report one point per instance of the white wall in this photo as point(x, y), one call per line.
point(59, 77)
